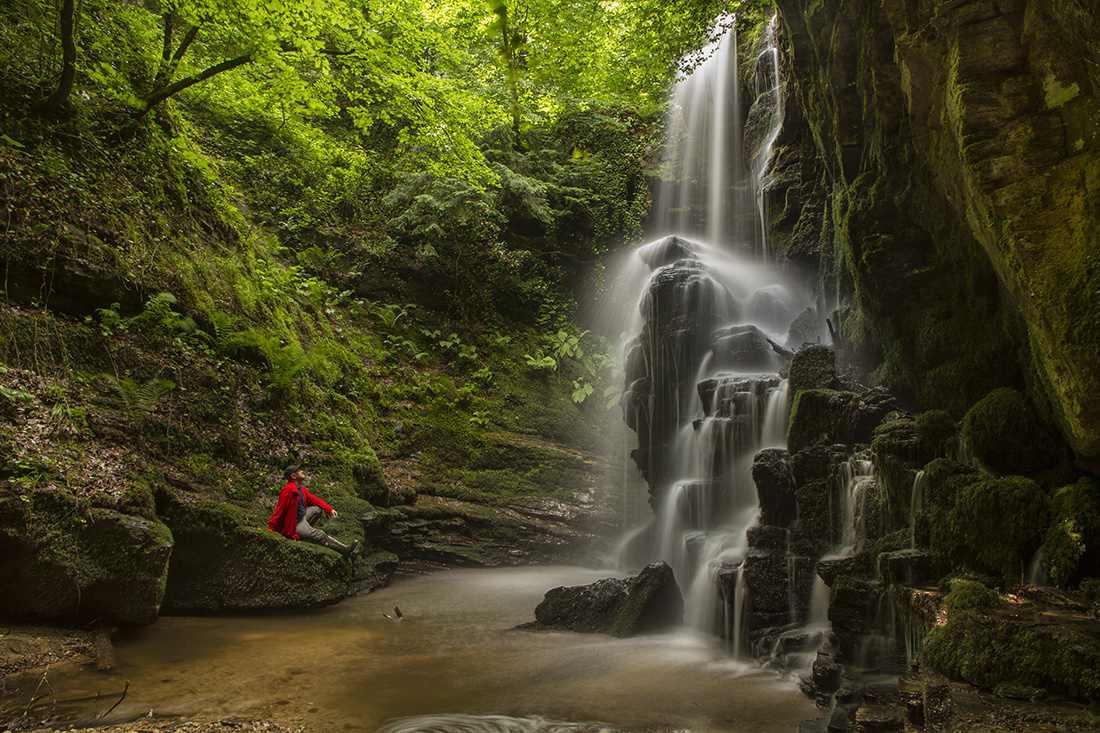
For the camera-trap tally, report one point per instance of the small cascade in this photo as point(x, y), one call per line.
point(858, 475)
point(916, 506)
point(1036, 571)
point(795, 650)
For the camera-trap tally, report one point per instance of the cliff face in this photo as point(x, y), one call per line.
point(953, 213)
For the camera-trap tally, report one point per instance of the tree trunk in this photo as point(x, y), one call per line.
point(68, 57)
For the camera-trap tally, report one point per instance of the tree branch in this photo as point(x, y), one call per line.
point(166, 51)
point(170, 63)
point(165, 92)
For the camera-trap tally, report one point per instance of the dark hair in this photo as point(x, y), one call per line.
point(293, 469)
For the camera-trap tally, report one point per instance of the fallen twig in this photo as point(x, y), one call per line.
point(120, 699)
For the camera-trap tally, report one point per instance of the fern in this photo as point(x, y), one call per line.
point(138, 400)
point(286, 364)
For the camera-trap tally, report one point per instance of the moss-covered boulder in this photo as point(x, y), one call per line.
point(825, 416)
point(225, 561)
point(1003, 433)
point(813, 367)
point(648, 602)
point(1071, 548)
point(988, 525)
point(775, 487)
point(1035, 638)
point(64, 560)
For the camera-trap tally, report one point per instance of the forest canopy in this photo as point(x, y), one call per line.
point(426, 78)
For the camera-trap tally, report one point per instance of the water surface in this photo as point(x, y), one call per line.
point(453, 663)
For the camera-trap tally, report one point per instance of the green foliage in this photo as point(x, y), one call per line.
point(139, 399)
point(540, 361)
point(159, 322)
point(480, 418)
point(581, 390)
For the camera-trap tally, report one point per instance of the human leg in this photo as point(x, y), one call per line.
point(306, 531)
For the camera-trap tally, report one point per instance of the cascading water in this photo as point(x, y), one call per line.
point(769, 97)
point(705, 193)
point(703, 391)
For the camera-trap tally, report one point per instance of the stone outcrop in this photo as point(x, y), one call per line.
point(648, 602)
point(63, 560)
point(775, 487)
point(958, 163)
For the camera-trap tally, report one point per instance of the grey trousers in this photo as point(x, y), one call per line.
point(306, 530)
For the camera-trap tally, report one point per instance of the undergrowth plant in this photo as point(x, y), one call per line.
point(139, 399)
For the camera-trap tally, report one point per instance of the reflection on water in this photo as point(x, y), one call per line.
point(453, 663)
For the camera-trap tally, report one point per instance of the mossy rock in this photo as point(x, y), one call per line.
point(990, 642)
point(813, 367)
point(223, 562)
point(63, 560)
point(988, 525)
point(827, 416)
point(1071, 548)
point(1003, 433)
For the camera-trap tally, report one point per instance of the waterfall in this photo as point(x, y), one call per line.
point(709, 338)
point(705, 178)
point(769, 96)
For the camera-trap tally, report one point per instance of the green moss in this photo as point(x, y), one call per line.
point(986, 643)
point(988, 525)
point(969, 595)
point(1070, 548)
point(936, 428)
point(1003, 433)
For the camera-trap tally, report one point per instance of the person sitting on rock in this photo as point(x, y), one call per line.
point(298, 509)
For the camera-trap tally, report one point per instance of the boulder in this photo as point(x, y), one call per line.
point(813, 367)
point(1003, 433)
point(805, 329)
point(648, 602)
point(64, 560)
point(747, 349)
point(224, 561)
point(853, 612)
point(775, 487)
point(666, 251)
point(826, 416)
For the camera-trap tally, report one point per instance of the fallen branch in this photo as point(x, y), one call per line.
point(120, 699)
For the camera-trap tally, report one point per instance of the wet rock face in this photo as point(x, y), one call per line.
point(958, 153)
point(775, 486)
point(688, 314)
point(649, 602)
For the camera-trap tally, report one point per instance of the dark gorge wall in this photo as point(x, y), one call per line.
point(939, 167)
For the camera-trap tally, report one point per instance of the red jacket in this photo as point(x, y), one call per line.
point(285, 517)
